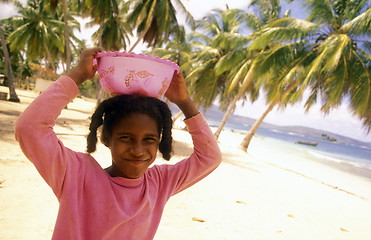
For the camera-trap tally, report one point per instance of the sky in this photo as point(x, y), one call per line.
point(340, 121)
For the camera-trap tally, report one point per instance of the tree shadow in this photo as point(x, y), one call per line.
point(182, 149)
point(235, 158)
point(10, 113)
point(185, 150)
point(80, 111)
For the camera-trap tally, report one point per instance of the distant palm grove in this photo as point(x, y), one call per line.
point(229, 55)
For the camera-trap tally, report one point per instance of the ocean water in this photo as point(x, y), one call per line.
point(353, 158)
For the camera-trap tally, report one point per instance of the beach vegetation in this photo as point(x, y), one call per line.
point(113, 32)
point(248, 75)
point(229, 55)
point(37, 32)
point(155, 21)
point(325, 54)
point(53, 6)
point(218, 47)
point(8, 67)
point(178, 50)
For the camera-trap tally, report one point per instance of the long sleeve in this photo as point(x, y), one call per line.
point(34, 132)
point(94, 205)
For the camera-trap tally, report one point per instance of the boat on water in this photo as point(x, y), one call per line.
point(308, 143)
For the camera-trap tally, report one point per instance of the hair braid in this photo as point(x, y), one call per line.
point(165, 146)
point(96, 122)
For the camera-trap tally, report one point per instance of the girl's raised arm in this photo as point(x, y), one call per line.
point(85, 69)
point(178, 94)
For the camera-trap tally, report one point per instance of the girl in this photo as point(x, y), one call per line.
point(126, 200)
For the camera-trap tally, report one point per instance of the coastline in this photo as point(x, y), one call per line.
point(302, 161)
point(274, 191)
point(352, 164)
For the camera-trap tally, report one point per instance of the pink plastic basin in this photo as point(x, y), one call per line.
point(130, 73)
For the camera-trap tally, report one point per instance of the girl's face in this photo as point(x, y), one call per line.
point(134, 143)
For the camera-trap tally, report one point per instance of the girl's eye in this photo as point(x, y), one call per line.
point(125, 138)
point(151, 140)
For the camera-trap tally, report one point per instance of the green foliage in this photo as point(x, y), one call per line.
point(89, 88)
point(327, 54)
point(332, 60)
point(155, 20)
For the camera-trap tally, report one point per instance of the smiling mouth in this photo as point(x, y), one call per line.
point(136, 161)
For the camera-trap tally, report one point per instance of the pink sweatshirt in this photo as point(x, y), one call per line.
point(94, 205)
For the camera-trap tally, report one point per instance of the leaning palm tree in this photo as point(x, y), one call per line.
point(243, 80)
point(335, 64)
point(342, 64)
point(219, 48)
point(280, 74)
point(155, 20)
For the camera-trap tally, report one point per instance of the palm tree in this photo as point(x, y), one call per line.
point(66, 35)
point(243, 81)
point(69, 40)
point(53, 6)
point(335, 63)
point(155, 20)
point(179, 50)
point(12, 93)
point(342, 64)
point(35, 32)
point(219, 48)
point(113, 32)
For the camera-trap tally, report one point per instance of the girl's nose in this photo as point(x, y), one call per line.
point(137, 149)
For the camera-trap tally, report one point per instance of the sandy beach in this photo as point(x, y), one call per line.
point(273, 192)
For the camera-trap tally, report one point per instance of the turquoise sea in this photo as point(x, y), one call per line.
point(347, 157)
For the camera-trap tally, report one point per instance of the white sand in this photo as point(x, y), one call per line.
point(273, 192)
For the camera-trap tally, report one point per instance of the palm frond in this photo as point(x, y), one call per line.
point(360, 25)
point(239, 76)
point(282, 30)
point(229, 61)
point(290, 22)
point(320, 10)
point(337, 45)
point(189, 18)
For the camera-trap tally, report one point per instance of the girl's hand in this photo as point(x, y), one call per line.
point(177, 91)
point(85, 69)
point(178, 94)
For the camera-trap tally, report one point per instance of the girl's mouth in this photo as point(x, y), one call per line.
point(136, 161)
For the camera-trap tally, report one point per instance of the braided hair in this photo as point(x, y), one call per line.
point(110, 112)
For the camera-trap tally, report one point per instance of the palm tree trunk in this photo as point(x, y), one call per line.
point(246, 141)
point(227, 114)
point(247, 80)
point(49, 57)
point(101, 94)
point(12, 93)
point(140, 38)
point(66, 36)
